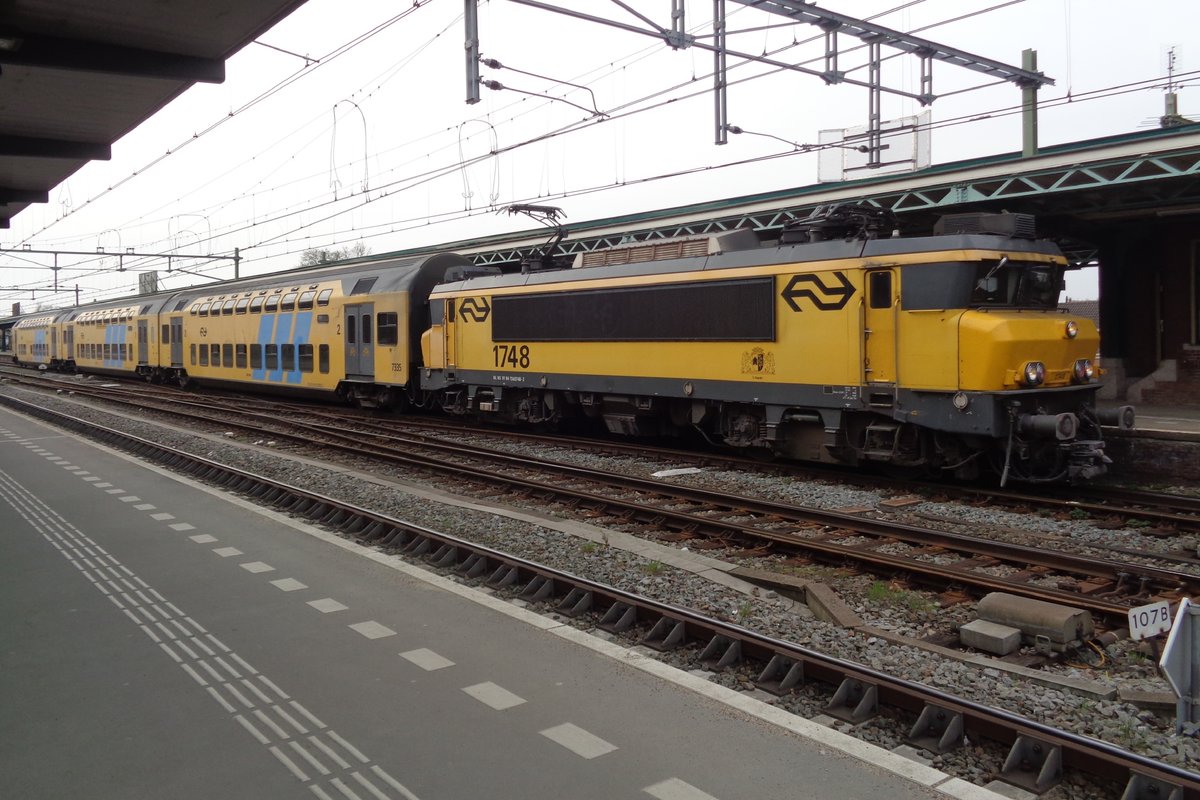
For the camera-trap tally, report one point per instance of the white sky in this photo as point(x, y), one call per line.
point(367, 145)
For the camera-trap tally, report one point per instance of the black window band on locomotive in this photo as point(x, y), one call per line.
point(710, 311)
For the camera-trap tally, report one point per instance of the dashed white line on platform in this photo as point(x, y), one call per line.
point(675, 789)
point(162, 516)
point(133, 498)
point(327, 604)
point(102, 485)
point(288, 584)
point(494, 696)
point(226, 552)
point(142, 507)
point(372, 629)
point(427, 659)
point(182, 526)
point(256, 566)
point(203, 538)
point(578, 741)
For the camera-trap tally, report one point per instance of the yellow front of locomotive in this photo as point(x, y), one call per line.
point(988, 337)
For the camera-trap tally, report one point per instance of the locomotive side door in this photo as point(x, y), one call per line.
point(879, 328)
point(176, 338)
point(359, 337)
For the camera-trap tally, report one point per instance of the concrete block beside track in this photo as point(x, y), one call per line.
point(990, 637)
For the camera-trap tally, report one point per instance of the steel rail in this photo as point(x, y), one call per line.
point(1138, 582)
point(1038, 752)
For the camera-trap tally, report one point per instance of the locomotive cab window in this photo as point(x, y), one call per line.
point(1022, 284)
point(879, 289)
point(437, 311)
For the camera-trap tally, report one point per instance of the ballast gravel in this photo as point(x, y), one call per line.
point(909, 613)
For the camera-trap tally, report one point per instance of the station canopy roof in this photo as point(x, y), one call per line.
point(77, 75)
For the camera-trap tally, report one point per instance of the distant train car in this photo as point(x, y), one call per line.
point(35, 341)
point(942, 354)
point(350, 331)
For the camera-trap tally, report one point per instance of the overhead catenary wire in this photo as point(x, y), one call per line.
point(419, 178)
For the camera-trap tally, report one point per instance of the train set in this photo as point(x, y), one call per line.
point(840, 342)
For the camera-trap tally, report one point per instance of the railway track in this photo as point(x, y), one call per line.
point(1038, 755)
point(707, 519)
point(1157, 513)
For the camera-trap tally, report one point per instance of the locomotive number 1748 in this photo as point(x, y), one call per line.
point(511, 355)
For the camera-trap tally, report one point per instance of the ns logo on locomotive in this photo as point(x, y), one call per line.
point(840, 342)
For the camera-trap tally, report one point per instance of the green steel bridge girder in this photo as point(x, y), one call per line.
point(1160, 179)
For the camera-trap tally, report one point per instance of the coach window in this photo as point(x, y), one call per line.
point(287, 357)
point(204, 309)
point(306, 300)
point(193, 354)
point(226, 355)
point(239, 354)
point(306, 358)
point(272, 304)
point(195, 309)
point(256, 305)
point(323, 297)
point(228, 307)
point(272, 357)
point(203, 355)
point(351, 329)
point(166, 334)
point(256, 356)
point(323, 358)
point(215, 358)
point(366, 329)
point(241, 305)
point(289, 302)
point(388, 329)
point(880, 289)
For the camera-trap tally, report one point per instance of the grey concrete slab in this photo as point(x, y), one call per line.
point(210, 678)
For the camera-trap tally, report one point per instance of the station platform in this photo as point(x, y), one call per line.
point(165, 639)
point(1162, 448)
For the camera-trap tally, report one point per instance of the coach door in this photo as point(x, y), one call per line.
point(879, 331)
point(176, 341)
point(143, 353)
point(360, 345)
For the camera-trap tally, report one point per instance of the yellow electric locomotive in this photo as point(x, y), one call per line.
point(841, 342)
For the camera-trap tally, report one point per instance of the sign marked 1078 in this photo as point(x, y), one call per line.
point(1149, 620)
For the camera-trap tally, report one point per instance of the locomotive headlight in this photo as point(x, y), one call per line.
point(961, 401)
point(1072, 329)
point(1033, 373)
point(1084, 371)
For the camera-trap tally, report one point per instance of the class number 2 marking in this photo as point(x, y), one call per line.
point(511, 355)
